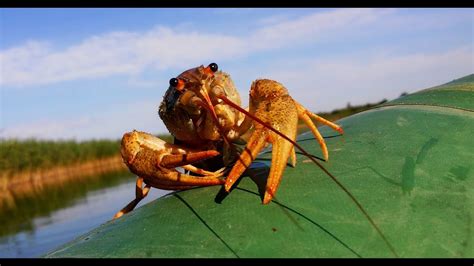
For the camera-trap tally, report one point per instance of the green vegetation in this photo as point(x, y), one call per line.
point(21, 155)
point(349, 110)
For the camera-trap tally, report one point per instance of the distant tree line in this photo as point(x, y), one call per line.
point(349, 110)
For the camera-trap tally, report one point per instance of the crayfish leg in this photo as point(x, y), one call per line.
point(255, 144)
point(169, 185)
point(176, 160)
point(200, 171)
point(174, 178)
point(306, 116)
point(303, 114)
point(140, 193)
point(326, 122)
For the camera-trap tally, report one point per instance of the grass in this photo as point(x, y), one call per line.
point(16, 155)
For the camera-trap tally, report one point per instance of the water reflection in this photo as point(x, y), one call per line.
point(39, 223)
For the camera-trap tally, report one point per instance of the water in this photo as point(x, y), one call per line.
point(41, 223)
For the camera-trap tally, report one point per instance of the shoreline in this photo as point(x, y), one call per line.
point(31, 182)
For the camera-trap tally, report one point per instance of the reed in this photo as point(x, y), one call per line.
point(22, 155)
point(32, 154)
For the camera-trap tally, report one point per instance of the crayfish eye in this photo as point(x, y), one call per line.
point(213, 67)
point(174, 82)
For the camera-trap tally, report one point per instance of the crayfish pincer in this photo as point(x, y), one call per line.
point(274, 108)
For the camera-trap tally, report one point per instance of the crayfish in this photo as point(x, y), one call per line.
point(201, 109)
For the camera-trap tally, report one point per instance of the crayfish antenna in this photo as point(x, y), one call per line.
point(356, 202)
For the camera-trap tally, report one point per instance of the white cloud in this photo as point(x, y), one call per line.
point(314, 27)
point(111, 123)
point(128, 53)
point(110, 54)
point(322, 85)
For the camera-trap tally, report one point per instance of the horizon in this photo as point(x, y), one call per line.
point(97, 73)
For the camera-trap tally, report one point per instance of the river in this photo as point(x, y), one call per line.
point(38, 224)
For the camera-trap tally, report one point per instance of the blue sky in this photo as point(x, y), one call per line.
point(97, 73)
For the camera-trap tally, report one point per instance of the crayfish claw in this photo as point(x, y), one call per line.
point(255, 144)
point(176, 160)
